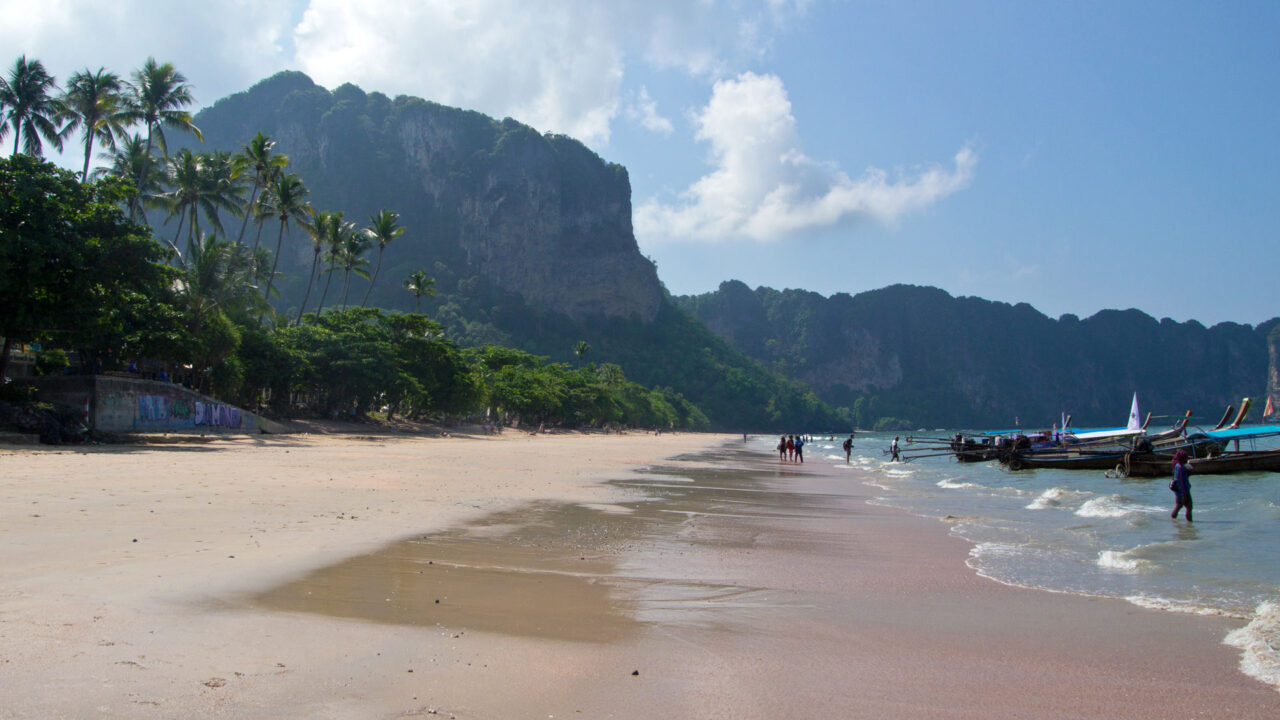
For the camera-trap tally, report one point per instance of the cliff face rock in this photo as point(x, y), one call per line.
point(920, 353)
point(484, 202)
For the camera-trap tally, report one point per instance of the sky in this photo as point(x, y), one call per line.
point(1075, 156)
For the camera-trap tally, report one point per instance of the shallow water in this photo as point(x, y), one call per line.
point(687, 548)
point(1086, 533)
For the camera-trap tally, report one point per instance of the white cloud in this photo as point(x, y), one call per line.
point(558, 66)
point(644, 110)
point(555, 66)
point(764, 187)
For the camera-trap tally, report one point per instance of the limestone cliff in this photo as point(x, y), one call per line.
point(918, 352)
point(488, 204)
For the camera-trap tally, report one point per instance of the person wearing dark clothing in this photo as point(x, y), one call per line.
point(893, 450)
point(848, 448)
point(1181, 485)
point(782, 447)
point(799, 448)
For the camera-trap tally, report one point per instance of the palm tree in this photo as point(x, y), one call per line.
point(287, 202)
point(315, 229)
point(335, 235)
point(351, 258)
point(419, 284)
point(159, 94)
point(581, 350)
point(257, 156)
point(219, 276)
point(383, 228)
point(128, 160)
point(95, 104)
point(32, 109)
point(200, 183)
point(183, 177)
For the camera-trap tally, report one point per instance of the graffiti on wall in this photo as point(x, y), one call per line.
point(166, 410)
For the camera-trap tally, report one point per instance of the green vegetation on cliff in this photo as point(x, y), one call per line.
point(920, 354)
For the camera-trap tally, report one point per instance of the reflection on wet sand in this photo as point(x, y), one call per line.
point(591, 573)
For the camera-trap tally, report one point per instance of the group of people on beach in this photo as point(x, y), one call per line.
point(791, 448)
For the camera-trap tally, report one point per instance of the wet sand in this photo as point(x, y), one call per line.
point(522, 577)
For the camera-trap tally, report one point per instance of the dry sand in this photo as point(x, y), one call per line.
point(297, 576)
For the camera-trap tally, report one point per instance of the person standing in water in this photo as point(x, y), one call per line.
point(799, 448)
point(893, 450)
point(1181, 485)
point(782, 447)
point(848, 448)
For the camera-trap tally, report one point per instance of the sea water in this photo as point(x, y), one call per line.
point(1080, 531)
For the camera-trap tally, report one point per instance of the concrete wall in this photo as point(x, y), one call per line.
point(130, 405)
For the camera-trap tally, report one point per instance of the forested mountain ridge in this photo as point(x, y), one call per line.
point(920, 354)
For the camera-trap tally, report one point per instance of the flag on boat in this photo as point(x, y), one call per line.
point(1135, 423)
point(1268, 411)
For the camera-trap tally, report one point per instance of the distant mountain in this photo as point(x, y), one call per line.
point(527, 235)
point(920, 354)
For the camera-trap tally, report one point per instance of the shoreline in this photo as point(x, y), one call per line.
point(883, 618)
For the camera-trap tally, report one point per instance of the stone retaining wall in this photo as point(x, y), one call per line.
point(132, 405)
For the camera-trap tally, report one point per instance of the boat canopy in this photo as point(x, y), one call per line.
point(1244, 432)
point(1105, 434)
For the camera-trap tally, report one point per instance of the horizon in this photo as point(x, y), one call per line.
point(1076, 159)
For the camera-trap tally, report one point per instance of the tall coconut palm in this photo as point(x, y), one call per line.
point(198, 184)
point(94, 103)
point(159, 94)
point(315, 229)
point(352, 260)
point(287, 201)
point(31, 108)
point(419, 284)
point(263, 165)
point(335, 235)
point(383, 228)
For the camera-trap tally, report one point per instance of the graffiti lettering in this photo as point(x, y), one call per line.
point(216, 415)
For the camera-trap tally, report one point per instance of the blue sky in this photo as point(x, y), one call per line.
point(1072, 155)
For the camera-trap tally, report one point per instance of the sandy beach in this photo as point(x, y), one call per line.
point(633, 576)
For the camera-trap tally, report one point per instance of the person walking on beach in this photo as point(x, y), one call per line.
point(1181, 485)
point(893, 450)
point(782, 448)
point(800, 448)
point(848, 448)
point(791, 448)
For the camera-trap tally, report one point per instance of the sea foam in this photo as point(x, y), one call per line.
point(1259, 644)
point(1121, 561)
point(1113, 506)
point(1055, 497)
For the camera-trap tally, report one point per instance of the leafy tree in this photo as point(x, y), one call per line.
point(419, 284)
point(94, 103)
point(383, 228)
point(31, 107)
point(74, 270)
point(159, 96)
